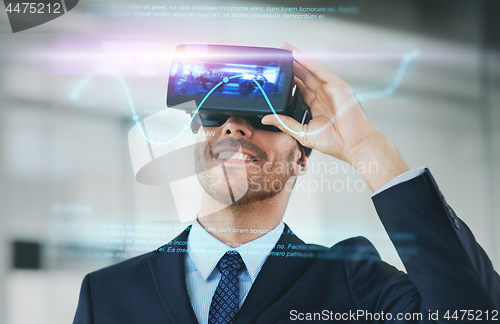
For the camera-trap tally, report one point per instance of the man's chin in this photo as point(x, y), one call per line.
point(238, 194)
point(223, 192)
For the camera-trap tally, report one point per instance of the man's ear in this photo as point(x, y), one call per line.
point(300, 161)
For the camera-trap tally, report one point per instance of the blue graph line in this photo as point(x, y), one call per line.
point(77, 91)
point(186, 127)
point(395, 83)
point(203, 101)
point(272, 109)
point(360, 97)
point(75, 94)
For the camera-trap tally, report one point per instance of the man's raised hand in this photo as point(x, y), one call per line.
point(338, 123)
point(339, 127)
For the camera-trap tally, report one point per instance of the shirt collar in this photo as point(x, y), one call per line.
point(205, 250)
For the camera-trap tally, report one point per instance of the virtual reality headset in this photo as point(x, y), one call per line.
point(214, 82)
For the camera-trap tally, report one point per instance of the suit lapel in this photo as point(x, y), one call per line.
point(276, 277)
point(169, 276)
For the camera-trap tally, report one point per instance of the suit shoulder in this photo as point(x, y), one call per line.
point(352, 249)
point(363, 261)
point(129, 266)
point(359, 247)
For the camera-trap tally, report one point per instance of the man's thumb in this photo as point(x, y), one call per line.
point(284, 123)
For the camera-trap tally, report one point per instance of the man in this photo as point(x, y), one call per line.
point(263, 273)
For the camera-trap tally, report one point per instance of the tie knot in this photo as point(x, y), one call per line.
point(231, 259)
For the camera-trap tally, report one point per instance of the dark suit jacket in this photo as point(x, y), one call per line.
point(447, 270)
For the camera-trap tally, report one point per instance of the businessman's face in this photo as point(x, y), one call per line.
point(266, 165)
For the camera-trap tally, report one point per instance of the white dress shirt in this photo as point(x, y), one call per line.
point(205, 251)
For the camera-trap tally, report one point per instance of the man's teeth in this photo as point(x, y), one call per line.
point(236, 156)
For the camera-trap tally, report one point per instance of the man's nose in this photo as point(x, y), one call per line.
point(237, 126)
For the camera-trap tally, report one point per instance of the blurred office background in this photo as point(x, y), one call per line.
point(68, 195)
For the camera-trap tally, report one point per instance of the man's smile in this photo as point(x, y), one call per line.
point(235, 154)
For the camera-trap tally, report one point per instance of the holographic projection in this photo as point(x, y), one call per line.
point(162, 155)
point(199, 81)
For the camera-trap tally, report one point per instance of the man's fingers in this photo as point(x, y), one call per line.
point(288, 46)
point(291, 126)
point(320, 71)
point(307, 94)
point(306, 76)
point(316, 101)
